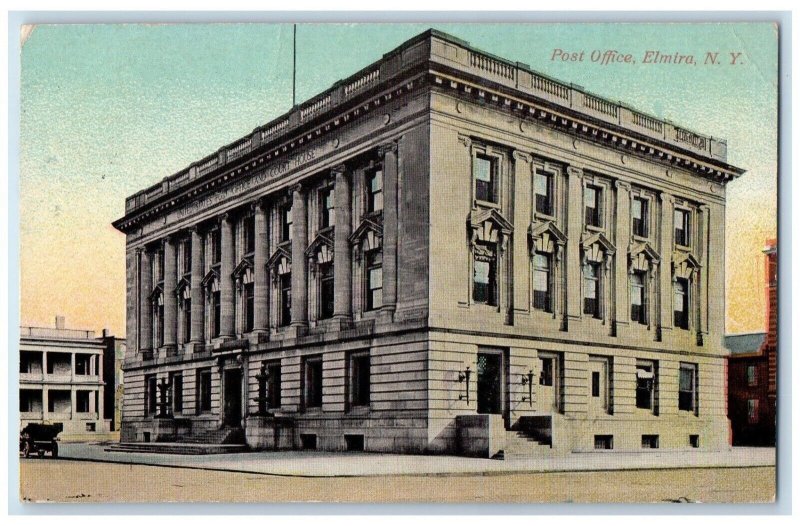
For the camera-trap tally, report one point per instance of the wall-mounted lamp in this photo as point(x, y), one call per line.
point(527, 379)
point(462, 377)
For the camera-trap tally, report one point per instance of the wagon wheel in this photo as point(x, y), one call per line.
point(55, 450)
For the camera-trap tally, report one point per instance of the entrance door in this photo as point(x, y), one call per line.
point(232, 415)
point(548, 391)
point(490, 383)
point(598, 385)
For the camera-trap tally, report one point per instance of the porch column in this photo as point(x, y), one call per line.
point(170, 297)
point(260, 284)
point(227, 308)
point(342, 271)
point(197, 311)
point(622, 236)
point(665, 267)
point(145, 308)
point(390, 225)
point(574, 230)
point(299, 265)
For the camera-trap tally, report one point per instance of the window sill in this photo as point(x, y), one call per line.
point(684, 248)
point(642, 239)
point(594, 228)
point(485, 204)
point(541, 216)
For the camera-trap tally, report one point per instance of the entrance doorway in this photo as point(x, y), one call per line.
point(548, 394)
point(491, 385)
point(232, 413)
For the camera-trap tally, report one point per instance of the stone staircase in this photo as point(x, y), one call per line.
point(520, 444)
point(226, 435)
point(208, 442)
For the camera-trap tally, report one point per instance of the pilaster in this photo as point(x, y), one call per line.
point(342, 271)
point(520, 257)
point(197, 312)
point(145, 307)
point(227, 308)
point(299, 267)
point(260, 280)
point(622, 239)
point(574, 228)
point(390, 228)
point(665, 268)
point(170, 297)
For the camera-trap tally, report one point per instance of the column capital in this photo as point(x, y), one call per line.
point(385, 148)
point(339, 169)
point(704, 208)
point(666, 197)
point(575, 171)
point(297, 188)
point(226, 217)
point(519, 155)
point(194, 229)
point(466, 141)
point(622, 185)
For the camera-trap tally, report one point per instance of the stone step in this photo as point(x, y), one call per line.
point(175, 448)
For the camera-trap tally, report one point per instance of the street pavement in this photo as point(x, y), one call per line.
point(341, 464)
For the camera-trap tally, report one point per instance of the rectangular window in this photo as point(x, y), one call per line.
point(249, 306)
point(359, 379)
point(694, 440)
point(595, 384)
point(375, 191)
point(313, 382)
point(541, 282)
point(484, 280)
point(177, 393)
point(374, 280)
point(187, 319)
point(82, 401)
point(604, 441)
point(639, 214)
point(687, 387)
point(326, 292)
point(543, 189)
point(216, 306)
point(249, 225)
point(649, 441)
point(286, 223)
point(186, 248)
point(645, 385)
point(327, 212)
point(204, 391)
point(216, 247)
point(484, 169)
point(547, 372)
point(285, 314)
point(682, 228)
point(681, 303)
point(274, 386)
point(591, 204)
point(83, 364)
point(159, 266)
point(638, 298)
point(151, 394)
point(752, 411)
point(752, 376)
point(591, 289)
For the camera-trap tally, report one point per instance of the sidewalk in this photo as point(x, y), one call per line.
point(330, 464)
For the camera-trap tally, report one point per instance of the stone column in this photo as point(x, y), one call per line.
point(227, 310)
point(260, 282)
point(299, 265)
point(145, 307)
point(342, 267)
point(196, 329)
point(701, 274)
point(665, 266)
point(622, 239)
point(390, 227)
point(170, 297)
point(520, 257)
point(574, 230)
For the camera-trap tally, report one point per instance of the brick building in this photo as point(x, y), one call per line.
point(752, 370)
point(440, 253)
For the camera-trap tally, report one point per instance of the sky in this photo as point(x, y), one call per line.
point(107, 110)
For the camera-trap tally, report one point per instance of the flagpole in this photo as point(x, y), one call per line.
point(294, 63)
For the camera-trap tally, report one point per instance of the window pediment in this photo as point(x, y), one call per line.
point(280, 261)
point(321, 248)
point(183, 288)
point(157, 295)
point(489, 226)
point(597, 248)
point(547, 238)
point(684, 264)
point(369, 234)
point(643, 257)
point(211, 280)
point(244, 266)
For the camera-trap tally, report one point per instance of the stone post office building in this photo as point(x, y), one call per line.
point(445, 252)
